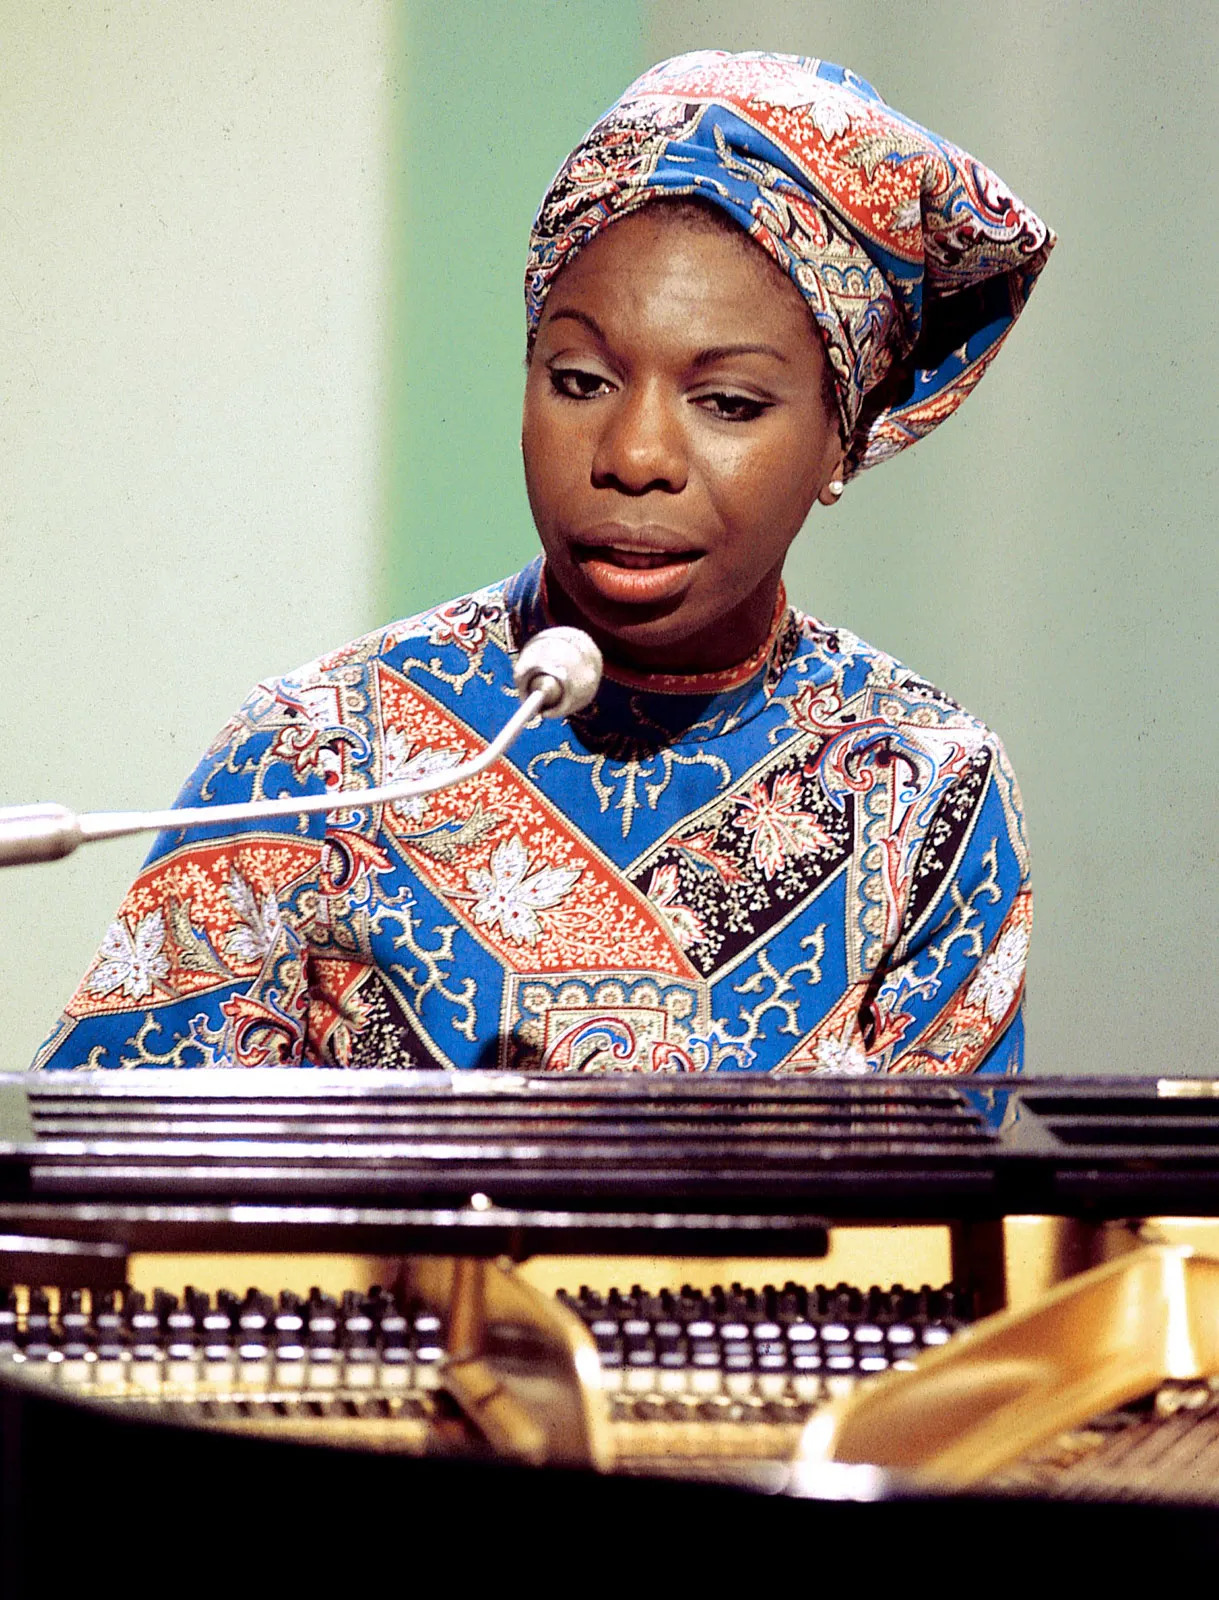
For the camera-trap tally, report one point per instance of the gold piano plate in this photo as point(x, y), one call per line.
point(1019, 1386)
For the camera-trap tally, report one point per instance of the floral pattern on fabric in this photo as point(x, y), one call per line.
point(816, 866)
point(914, 259)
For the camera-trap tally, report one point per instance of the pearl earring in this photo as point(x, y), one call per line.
point(836, 487)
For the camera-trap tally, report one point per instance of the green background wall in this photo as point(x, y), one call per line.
point(1048, 557)
point(192, 288)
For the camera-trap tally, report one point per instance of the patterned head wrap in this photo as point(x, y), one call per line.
point(914, 259)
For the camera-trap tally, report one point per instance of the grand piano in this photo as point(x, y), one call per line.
point(822, 1312)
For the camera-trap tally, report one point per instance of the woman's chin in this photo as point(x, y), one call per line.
point(670, 644)
point(670, 635)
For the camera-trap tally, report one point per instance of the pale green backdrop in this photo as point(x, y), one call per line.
point(192, 294)
point(1048, 556)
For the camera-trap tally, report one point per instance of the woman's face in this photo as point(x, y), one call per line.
point(676, 434)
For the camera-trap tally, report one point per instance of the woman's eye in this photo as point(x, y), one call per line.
point(577, 384)
point(733, 407)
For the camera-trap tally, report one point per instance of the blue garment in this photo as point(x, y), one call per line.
point(812, 863)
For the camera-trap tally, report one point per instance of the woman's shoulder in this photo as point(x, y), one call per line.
point(461, 648)
point(449, 635)
point(468, 624)
point(854, 685)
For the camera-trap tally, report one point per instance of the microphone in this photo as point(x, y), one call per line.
point(556, 674)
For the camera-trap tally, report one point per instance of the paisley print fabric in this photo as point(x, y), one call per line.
point(914, 258)
point(814, 864)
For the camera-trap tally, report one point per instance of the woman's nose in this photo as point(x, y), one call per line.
point(642, 445)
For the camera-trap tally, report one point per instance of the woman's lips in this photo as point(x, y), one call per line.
point(632, 576)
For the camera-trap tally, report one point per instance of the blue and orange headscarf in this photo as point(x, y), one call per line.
point(914, 258)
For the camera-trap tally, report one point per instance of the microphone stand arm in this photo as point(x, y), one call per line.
point(47, 832)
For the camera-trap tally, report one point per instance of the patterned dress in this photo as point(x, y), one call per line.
point(812, 863)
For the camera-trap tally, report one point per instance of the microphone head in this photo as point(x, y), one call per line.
point(564, 661)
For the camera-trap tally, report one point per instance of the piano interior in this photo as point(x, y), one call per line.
point(619, 1305)
point(685, 1367)
point(690, 1366)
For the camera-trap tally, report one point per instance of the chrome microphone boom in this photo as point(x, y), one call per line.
point(556, 674)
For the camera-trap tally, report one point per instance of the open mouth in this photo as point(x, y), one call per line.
point(627, 575)
point(634, 560)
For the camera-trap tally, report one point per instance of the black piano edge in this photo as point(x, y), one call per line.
point(209, 1505)
point(1097, 1149)
point(100, 1232)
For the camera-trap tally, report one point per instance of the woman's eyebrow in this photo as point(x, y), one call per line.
point(705, 358)
point(580, 316)
point(722, 352)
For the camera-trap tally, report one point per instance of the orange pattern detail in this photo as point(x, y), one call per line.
point(332, 1003)
point(583, 917)
point(198, 881)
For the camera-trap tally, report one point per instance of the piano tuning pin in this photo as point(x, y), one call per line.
point(964, 1305)
point(197, 1302)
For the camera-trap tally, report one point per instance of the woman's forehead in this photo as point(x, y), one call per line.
point(664, 272)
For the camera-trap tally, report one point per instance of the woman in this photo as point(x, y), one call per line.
point(766, 845)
